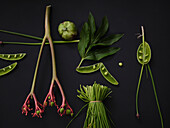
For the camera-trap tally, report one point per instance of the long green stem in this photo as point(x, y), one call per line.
point(76, 115)
point(137, 92)
point(40, 52)
point(37, 65)
point(20, 34)
point(156, 97)
point(55, 42)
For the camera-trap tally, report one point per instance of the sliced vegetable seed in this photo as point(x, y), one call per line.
point(144, 53)
point(96, 67)
point(7, 69)
point(12, 57)
point(89, 69)
point(107, 75)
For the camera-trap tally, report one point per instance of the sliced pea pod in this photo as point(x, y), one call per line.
point(88, 69)
point(107, 75)
point(12, 57)
point(7, 69)
point(144, 53)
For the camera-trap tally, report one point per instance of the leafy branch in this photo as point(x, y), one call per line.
point(94, 45)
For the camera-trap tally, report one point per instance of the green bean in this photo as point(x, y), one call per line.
point(88, 69)
point(144, 53)
point(107, 75)
point(12, 57)
point(7, 69)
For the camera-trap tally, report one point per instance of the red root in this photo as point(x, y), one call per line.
point(39, 109)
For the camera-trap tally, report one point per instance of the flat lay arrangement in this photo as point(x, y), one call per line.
point(94, 45)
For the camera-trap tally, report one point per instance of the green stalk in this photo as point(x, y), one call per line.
point(76, 115)
point(40, 52)
point(55, 42)
point(37, 65)
point(156, 97)
point(20, 34)
point(137, 92)
point(80, 62)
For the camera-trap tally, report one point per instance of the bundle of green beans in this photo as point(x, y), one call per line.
point(94, 95)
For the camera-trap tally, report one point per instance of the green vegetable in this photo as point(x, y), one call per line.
point(68, 111)
point(120, 64)
point(7, 69)
point(107, 75)
point(94, 46)
point(67, 30)
point(61, 110)
point(143, 57)
point(17, 56)
point(97, 116)
point(96, 67)
point(38, 112)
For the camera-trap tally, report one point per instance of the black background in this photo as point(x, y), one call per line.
point(27, 16)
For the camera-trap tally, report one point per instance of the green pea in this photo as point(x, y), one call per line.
point(52, 104)
point(12, 57)
point(49, 97)
point(144, 56)
point(68, 111)
point(120, 64)
point(7, 69)
point(28, 105)
point(72, 114)
point(107, 75)
point(88, 69)
point(61, 110)
point(38, 112)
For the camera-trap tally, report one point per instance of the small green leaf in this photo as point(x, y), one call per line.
point(92, 26)
point(98, 54)
point(102, 29)
point(84, 39)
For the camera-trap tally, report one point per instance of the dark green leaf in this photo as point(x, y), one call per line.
point(84, 39)
point(92, 26)
point(101, 53)
point(102, 29)
point(109, 40)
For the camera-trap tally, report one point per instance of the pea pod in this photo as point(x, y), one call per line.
point(107, 75)
point(12, 57)
point(7, 69)
point(144, 53)
point(88, 69)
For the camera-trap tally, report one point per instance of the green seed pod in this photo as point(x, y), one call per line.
point(68, 111)
point(38, 112)
point(67, 30)
point(61, 110)
point(144, 56)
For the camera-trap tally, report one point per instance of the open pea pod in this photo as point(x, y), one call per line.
point(107, 75)
point(88, 69)
point(12, 57)
point(144, 53)
point(7, 69)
